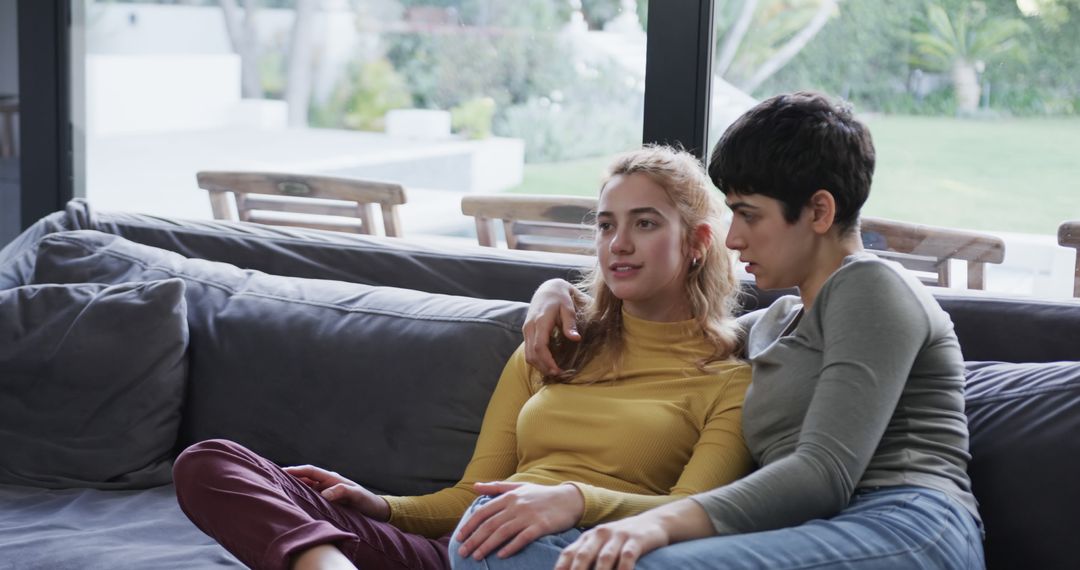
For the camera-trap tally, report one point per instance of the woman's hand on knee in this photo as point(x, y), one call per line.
point(617, 545)
point(552, 306)
point(522, 513)
point(338, 489)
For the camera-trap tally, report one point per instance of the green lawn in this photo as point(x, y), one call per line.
point(1015, 174)
point(577, 177)
point(1018, 175)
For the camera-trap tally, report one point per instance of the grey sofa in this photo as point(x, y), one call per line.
point(127, 337)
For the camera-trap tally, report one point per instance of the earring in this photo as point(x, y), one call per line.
point(694, 263)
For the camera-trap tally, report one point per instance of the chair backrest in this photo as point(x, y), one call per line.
point(560, 223)
point(544, 223)
point(1069, 236)
point(928, 249)
point(304, 200)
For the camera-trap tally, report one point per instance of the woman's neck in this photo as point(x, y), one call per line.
point(659, 312)
point(827, 260)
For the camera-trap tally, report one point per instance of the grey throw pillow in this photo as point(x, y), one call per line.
point(91, 382)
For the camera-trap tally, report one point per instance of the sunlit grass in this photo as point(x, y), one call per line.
point(576, 177)
point(1018, 175)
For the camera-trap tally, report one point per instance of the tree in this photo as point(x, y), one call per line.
point(874, 74)
point(301, 61)
point(962, 44)
point(245, 42)
point(1052, 13)
point(734, 37)
point(782, 29)
point(243, 34)
point(792, 47)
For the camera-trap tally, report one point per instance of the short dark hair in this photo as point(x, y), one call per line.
point(792, 145)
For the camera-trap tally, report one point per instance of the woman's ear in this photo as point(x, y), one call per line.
point(823, 211)
point(701, 239)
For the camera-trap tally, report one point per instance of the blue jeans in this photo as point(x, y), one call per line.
point(893, 527)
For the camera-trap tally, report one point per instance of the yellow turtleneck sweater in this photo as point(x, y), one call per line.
point(660, 431)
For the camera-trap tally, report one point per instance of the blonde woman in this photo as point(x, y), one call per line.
point(646, 409)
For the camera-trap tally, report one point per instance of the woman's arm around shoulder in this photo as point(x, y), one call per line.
point(552, 307)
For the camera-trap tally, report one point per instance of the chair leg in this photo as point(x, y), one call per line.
point(391, 220)
point(367, 218)
point(508, 232)
point(1076, 276)
point(7, 133)
point(219, 204)
point(485, 231)
point(976, 278)
point(943, 273)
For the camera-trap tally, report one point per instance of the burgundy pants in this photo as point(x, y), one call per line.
point(264, 516)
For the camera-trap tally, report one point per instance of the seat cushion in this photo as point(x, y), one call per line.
point(91, 383)
point(88, 529)
point(1025, 445)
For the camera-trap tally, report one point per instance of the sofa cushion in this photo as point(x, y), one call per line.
point(1040, 330)
point(387, 386)
point(88, 529)
point(1025, 445)
point(91, 383)
point(409, 263)
point(16, 264)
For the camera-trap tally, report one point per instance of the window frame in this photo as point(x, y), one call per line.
point(678, 67)
point(46, 157)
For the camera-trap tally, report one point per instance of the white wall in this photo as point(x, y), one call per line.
point(149, 28)
point(141, 29)
point(148, 93)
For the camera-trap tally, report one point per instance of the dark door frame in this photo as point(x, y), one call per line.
point(44, 108)
point(678, 64)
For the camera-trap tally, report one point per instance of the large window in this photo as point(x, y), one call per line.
point(973, 104)
point(974, 107)
point(447, 97)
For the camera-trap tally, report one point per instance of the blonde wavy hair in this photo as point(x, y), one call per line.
point(711, 285)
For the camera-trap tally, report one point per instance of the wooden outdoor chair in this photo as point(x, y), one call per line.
point(538, 223)
point(926, 250)
point(562, 223)
point(1069, 236)
point(303, 200)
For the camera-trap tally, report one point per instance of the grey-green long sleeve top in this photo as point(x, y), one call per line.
point(866, 391)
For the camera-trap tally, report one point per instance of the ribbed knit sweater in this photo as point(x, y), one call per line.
point(867, 391)
point(661, 430)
